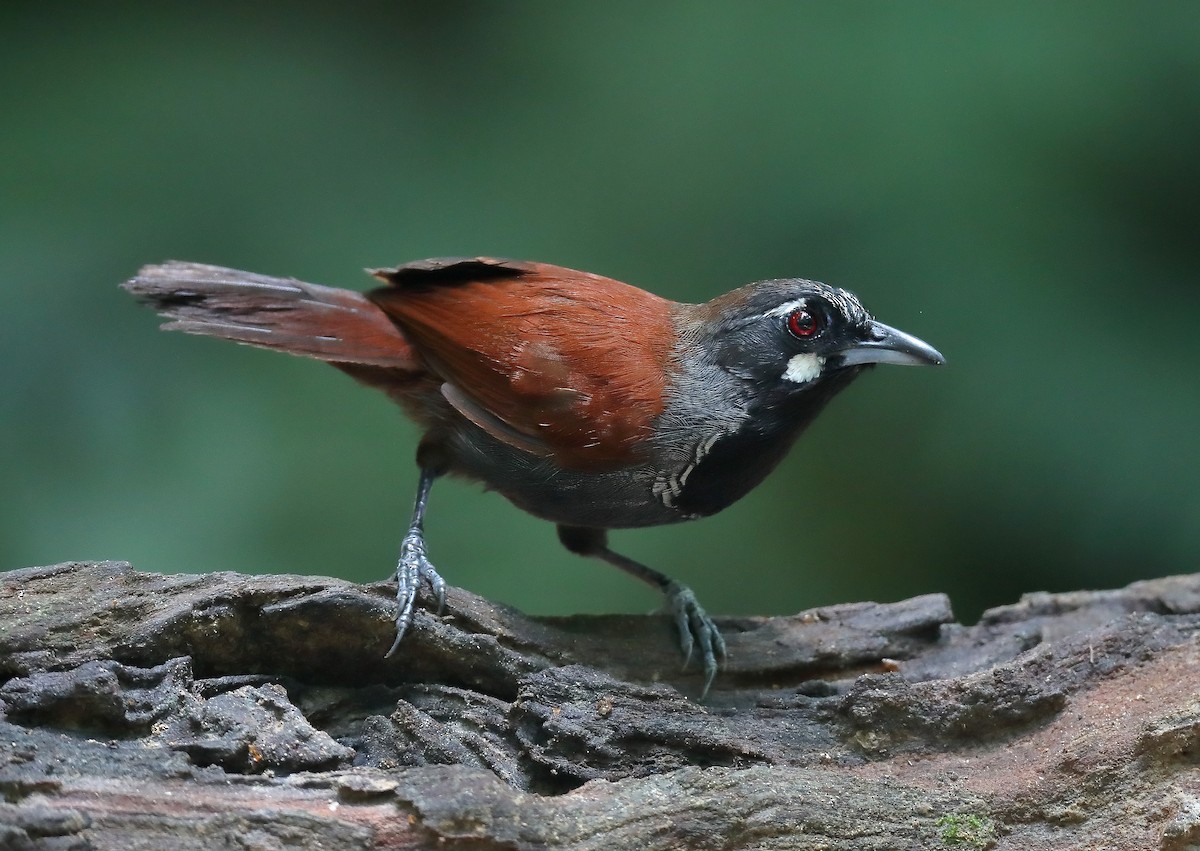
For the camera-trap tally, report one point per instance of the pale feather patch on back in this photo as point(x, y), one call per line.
point(803, 368)
point(490, 423)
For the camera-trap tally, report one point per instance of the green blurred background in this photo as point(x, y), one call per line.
point(1018, 183)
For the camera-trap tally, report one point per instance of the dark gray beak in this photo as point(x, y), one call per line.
point(885, 344)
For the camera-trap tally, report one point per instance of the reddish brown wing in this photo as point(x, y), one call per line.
point(555, 361)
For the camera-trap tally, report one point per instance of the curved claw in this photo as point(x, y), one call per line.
point(696, 629)
point(413, 567)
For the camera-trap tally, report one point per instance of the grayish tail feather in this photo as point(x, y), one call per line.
point(329, 324)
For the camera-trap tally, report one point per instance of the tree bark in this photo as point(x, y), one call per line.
point(143, 711)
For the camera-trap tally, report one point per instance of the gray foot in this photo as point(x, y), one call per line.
point(696, 631)
point(413, 567)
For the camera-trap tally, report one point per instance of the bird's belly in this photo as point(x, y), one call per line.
point(686, 487)
point(611, 499)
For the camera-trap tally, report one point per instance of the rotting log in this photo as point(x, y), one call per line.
point(143, 711)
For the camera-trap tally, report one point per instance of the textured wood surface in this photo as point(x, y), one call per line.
point(196, 711)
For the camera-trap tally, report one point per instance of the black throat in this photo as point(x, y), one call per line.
point(738, 462)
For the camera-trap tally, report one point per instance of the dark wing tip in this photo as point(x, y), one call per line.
point(451, 270)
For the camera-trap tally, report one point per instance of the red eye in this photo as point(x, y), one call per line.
point(803, 324)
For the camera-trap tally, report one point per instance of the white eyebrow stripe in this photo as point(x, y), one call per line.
point(787, 307)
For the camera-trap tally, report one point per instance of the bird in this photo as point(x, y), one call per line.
point(586, 402)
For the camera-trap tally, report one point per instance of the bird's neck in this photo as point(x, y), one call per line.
point(741, 444)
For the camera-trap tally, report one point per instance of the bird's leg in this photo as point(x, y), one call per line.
point(414, 565)
point(696, 629)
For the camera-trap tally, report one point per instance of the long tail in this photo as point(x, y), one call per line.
point(340, 326)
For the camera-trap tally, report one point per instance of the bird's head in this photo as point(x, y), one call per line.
point(791, 336)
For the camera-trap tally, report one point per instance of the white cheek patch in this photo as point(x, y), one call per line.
point(803, 368)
